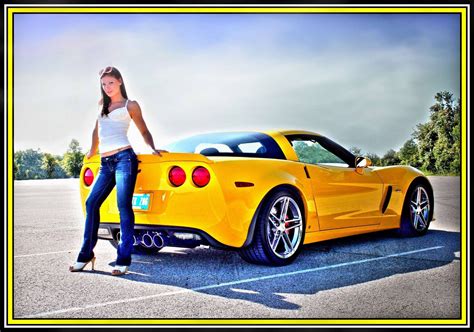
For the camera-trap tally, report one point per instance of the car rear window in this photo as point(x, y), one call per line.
point(229, 144)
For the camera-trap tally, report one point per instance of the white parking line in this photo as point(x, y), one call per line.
point(230, 283)
point(44, 253)
point(56, 229)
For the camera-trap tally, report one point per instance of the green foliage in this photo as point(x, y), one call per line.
point(455, 167)
point(426, 136)
point(355, 151)
point(59, 172)
point(408, 154)
point(314, 154)
point(439, 140)
point(49, 164)
point(376, 161)
point(15, 169)
point(33, 164)
point(390, 158)
point(28, 165)
point(72, 161)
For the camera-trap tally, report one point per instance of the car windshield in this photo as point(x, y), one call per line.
point(233, 144)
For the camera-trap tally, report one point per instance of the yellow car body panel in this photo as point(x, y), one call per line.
point(220, 209)
point(336, 203)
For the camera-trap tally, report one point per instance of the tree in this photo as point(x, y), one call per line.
point(28, 163)
point(456, 148)
point(439, 139)
point(15, 169)
point(59, 172)
point(374, 158)
point(390, 158)
point(408, 153)
point(426, 137)
point(49, 164)
point(355, 151)
point(72, 161)
point(314, 153)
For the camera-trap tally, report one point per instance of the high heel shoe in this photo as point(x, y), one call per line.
point(79, 266)
point(119, 270)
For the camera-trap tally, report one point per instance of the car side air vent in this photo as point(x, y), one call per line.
point(387, 199)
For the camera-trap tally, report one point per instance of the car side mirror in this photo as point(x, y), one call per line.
point(362, 162)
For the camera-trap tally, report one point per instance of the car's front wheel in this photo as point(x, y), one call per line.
point(417, 211)
point(279, 231)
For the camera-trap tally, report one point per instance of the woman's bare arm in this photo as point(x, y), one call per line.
point(95, 141)
point(137, 117)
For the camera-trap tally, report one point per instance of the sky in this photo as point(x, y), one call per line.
point(363, 80)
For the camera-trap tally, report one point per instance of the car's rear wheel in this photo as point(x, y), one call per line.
point(279, 231)
point(417, 211)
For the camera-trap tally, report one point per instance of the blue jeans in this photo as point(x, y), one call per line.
point(119, 169)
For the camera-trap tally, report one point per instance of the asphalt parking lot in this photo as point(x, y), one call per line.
point(369, 276)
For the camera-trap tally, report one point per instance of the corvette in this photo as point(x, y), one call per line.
point(264, 194)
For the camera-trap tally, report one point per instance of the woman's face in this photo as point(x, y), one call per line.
point(110, 85)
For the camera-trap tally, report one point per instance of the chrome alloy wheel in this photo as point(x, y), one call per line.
point(419, 209)
point(285, 227)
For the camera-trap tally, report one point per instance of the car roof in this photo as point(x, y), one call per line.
point(289, 132)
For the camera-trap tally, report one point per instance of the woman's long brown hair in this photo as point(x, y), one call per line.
point(105, 101)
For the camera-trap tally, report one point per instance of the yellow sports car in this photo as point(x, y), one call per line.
point(264, 194)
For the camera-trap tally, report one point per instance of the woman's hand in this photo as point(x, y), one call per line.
point(89, 154)
point(158, 152)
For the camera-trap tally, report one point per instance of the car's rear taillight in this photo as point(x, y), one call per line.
point(88, 177)
point(201, 176)
point(177, 176)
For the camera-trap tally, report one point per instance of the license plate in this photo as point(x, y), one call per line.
point(141, 201)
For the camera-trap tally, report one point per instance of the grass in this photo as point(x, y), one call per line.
point(430, 173)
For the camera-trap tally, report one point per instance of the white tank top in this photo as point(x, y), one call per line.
point(113, 129)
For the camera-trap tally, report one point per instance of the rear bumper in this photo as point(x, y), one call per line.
point(173, 236)
point(221, 213)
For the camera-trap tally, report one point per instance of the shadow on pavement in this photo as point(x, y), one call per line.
point(359, 259)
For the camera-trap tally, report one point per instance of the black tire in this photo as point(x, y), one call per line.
point(417, 210)
point(260, 251)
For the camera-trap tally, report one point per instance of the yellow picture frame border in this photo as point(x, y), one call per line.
point(462, 10)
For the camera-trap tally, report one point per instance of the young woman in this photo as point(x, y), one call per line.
point(118, 167)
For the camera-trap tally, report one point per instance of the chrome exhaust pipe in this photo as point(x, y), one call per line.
point(136, 241)
point(147, 240)
point(158, 241)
